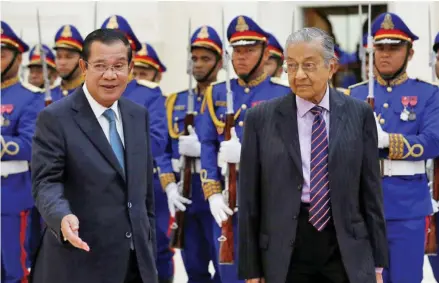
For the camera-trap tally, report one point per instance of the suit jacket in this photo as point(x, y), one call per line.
point(270, 189)
point(74, 170)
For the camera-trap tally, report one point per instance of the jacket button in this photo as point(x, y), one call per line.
point(299, 187)
point(130, 205)
point(128, 235)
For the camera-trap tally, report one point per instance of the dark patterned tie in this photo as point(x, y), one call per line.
point(320, 209)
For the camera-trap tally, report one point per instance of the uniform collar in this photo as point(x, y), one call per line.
point(97, 108)
point(254, 82)
point(10, 82)
point(396, 81)
point(72, 84)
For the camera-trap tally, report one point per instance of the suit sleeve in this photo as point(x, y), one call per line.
point(371, 195)
point(18, 147)
point(47, 168)
point(150, 205)
point(249, 263)
point(425, 144)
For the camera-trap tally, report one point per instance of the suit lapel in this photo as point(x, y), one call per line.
point(87, 122)
point(336, 121)
point(286, 123)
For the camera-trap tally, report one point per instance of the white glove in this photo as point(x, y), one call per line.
point(219, 208)
point(229, 152)
point(189, 145)
point(383, 137)
point(434, 205)
point(175, 200)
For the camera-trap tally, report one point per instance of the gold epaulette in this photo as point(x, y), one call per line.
point(209, 101)
point(32, 87)
point(358, 84)
point(279, 81)
point(427, 82)
point(148, 84)
point(345, 91)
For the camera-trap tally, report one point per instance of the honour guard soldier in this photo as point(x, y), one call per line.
point(20, 104)
point(147, 65)
point(198, 247)
point(252, 87)
point(149, 95)
point(36, 77)
point(273, 66)
point(68, 47)
point(407, 115)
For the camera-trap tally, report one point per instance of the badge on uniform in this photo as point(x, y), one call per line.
point(405, 113)
point(412, 101)
point(5, 108)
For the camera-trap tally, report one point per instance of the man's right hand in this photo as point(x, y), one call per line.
point(255, 280)
point(219, 208)
point(175, 200)
point(69, 229)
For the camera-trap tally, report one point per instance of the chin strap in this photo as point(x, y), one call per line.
point(5, 71)
point(246, 77)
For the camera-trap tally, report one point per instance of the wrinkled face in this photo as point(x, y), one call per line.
point(107, 71)
point(66, 60)
point(143, 73)
point(203, 62)
point(271, 65)
point(245, 58)
point(6, 57)
point(389, 58)
point(308, 74)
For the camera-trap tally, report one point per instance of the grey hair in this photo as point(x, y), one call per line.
point(313, 34)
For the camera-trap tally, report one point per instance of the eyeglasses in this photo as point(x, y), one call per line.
point(308, 67)
point(119, 68)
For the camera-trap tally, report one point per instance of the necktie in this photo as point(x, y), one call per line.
point(320, 209)
point(115, 141)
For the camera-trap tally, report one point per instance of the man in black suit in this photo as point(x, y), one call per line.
point(310, 199)
point(92, 176)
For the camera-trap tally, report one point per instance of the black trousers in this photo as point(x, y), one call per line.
point(133, 273)
point(316, 256)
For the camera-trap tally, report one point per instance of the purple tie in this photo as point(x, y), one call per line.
point(320, 209)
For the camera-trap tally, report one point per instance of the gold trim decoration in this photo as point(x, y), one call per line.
point(396, 146)
point(204, 33)
point(10, 82)
point(166, 179)
point(411, 149)
point(210, 107)
point(387, 22)
point(241, 25)
point(170, 102)
point(66, 32)
point(210, 186)
point(11, 148)
point(112, 23)
point(254, 82)
point(397, 81)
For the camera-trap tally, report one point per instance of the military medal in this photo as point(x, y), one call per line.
point(405, 113)
point(5, 108)
point(413, 101)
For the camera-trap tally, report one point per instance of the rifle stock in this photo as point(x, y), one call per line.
point(431, 242)
point(177, 229)
point(226, 253)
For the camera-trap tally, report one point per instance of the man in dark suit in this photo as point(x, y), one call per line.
point(92, 176)
point(310, 199)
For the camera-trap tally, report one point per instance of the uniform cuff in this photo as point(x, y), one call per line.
point(379, 270)
point(396, 146)
point(166, 179)
point(210, 188)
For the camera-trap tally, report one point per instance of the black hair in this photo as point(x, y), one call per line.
point(106, 36)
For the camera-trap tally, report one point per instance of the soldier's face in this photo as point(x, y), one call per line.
point(66, 61)
point(271, 66)
point(245, 58)
point(389, 58)
point(203, 61)
point(36, 76)
point(107, 71)
point(437, 65)
point(308, 74)
point(6, 57)
point(141, 73)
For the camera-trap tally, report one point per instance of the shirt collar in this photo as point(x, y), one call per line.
point(304, 106)
point(97, 108)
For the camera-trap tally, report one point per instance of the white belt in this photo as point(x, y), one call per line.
point(176, 165)
point(14, 167)
point(401, 167)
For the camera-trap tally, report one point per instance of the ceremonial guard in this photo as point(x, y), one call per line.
point(36, 76)
point(252, 87)
point(68, 47)
point(273, 66)
point(147, 65)
point(198, 247)
point(149, 95)
point(20, 104)
point(407, 116)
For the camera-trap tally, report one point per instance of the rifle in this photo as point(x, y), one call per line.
point(188, 164)
point(431, 244)
point(47, 96)
point(226, 253)
point(362, 51)
point(370, 95)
